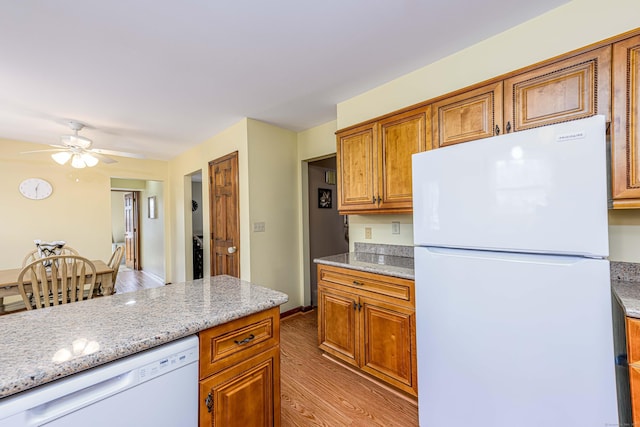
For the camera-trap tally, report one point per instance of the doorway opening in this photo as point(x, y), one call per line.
point(197, 233)
point(328, 230)
point(137, 223)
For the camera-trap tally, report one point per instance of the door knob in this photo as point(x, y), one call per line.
point(232, 249)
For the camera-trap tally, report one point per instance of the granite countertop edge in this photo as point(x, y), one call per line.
point(387, 265)
point(156, 316)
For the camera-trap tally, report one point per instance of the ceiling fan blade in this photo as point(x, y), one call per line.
point(116, 153)
point(102, 157)
point(43, 151)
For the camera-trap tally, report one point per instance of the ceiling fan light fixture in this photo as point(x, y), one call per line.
point(62, 157)
point(90, 160)
point(77, 162)
point(76, 141)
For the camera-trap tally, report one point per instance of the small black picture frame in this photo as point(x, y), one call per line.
point(324, 198)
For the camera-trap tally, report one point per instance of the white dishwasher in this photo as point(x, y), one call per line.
point(158, 387)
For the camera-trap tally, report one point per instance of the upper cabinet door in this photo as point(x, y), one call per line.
point(470, 115)
point(355, 168)
point(625, 142)
point(570, 89)
point(400, 136)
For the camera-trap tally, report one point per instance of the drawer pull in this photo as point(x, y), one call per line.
point(246, 340)
point(209, 402)
point(355, 282)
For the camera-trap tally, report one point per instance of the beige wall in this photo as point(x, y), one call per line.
point(268, 192)
point(152, 238)
point(78, 211)
point(274, 200)
point(230, 140)
point(572, 26)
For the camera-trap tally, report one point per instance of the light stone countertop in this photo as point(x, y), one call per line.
point(43, 345)
point(388, 265)
point(628, 293)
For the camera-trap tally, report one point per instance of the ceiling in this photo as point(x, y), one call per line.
point(157, 77)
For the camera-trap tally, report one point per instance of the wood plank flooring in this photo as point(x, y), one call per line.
point(129, 280)
point(319, 392)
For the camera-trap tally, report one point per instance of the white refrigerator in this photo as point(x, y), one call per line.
point(513, 299)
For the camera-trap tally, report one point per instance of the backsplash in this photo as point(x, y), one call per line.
point(627, 271)
point(383, 249)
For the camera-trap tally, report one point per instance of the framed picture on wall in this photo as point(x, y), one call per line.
point(152, 207)
point(324, 198)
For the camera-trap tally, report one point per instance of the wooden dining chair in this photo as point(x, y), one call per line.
point(35, 254)
point(114, 264)
point(69, 278)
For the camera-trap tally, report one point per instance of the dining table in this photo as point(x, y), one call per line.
point(9, 280)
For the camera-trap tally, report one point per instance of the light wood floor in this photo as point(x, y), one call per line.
point(129, 280)
point(319, 392)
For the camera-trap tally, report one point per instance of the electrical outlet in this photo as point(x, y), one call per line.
point(367, 232)
point(258, 227)
point(395, 227)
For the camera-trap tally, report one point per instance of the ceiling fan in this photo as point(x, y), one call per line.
point(78, 149)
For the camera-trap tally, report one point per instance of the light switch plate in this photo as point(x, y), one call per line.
point(367, 232)
point(395, 227)
point(258, 227)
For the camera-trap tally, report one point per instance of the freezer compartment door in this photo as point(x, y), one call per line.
point(509, 340)
point(541, 190)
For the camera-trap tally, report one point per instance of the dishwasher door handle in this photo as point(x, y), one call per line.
point(56, 408)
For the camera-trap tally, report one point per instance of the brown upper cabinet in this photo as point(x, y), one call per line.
point(374, 159)
point(467, 116)
point(374, 162)
point(570, 89)
point(625, 135)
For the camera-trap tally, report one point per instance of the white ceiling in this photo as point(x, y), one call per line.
point(157, 77)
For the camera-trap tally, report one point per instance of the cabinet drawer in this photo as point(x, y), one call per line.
point(401, 289)
point(633, 340)
point(225, 345)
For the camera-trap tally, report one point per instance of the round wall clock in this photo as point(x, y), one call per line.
point(35, 188)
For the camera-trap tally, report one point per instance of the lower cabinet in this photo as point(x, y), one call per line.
point(368, 321)
point(240, 372)
point(633, 357)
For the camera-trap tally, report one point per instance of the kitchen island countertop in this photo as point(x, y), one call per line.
point(40, 346)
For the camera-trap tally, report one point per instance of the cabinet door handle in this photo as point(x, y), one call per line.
point(355, 306)
point(246, 340)
point(373, 200)
point(508, 127)
point(209, 402)
point(497, 130)
point(379, 200)
point(355, 282)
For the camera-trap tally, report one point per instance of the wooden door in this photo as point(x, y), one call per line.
point(570, 89)
point(245, 395)
point(131, 234)
point(389, 343)
point(400, 136)
point(467, 116)
point(356, 164)
point(224, 216)
point(625, 136)
point(337, 323)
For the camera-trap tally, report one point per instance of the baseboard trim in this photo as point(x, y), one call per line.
point(299, 309)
